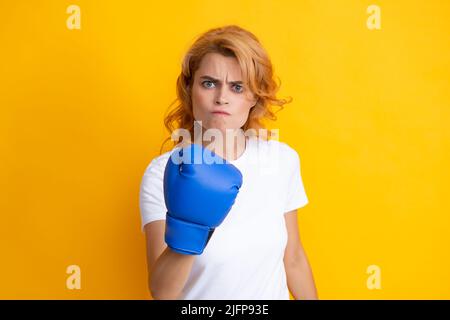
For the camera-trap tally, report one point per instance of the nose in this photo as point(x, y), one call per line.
point(221, 101)
point(221, 97)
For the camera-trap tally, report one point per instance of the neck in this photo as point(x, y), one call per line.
point(231, 147)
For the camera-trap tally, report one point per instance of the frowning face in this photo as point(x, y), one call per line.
point(220, 98)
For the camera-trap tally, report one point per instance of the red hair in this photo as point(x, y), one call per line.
point(257, 72)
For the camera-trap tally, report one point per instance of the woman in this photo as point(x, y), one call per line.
point(226, 85)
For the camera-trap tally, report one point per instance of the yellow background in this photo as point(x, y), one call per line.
point(81, 118)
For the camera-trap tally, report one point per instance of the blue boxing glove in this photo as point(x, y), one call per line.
point(198, 196)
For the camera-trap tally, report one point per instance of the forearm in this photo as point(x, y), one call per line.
point(169, 274)
point(300, 280)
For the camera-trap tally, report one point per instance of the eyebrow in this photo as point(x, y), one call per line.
point(217, 80)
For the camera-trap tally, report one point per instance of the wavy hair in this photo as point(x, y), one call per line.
point(257, 73)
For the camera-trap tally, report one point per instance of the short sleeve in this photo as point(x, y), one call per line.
point(151, 194)
point(296, 195)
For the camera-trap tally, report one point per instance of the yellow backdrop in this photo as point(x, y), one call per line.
point(83, 89)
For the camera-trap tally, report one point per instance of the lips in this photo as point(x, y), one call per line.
point(221, 112)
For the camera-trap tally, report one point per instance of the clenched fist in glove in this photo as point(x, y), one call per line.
point(198, 196)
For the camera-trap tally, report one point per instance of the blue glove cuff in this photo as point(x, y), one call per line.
point(186, 237)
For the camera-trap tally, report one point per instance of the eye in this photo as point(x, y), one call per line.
point(240, 88)
point(207, 82)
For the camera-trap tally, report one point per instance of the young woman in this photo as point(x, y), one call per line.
point(226, 84)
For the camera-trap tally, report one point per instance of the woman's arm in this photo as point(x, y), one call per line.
point(168, 270)
point(298, 271)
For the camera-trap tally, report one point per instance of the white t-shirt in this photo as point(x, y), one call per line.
point(244, 257)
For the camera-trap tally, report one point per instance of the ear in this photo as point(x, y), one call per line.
point(188, 84)
point(255, 102)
